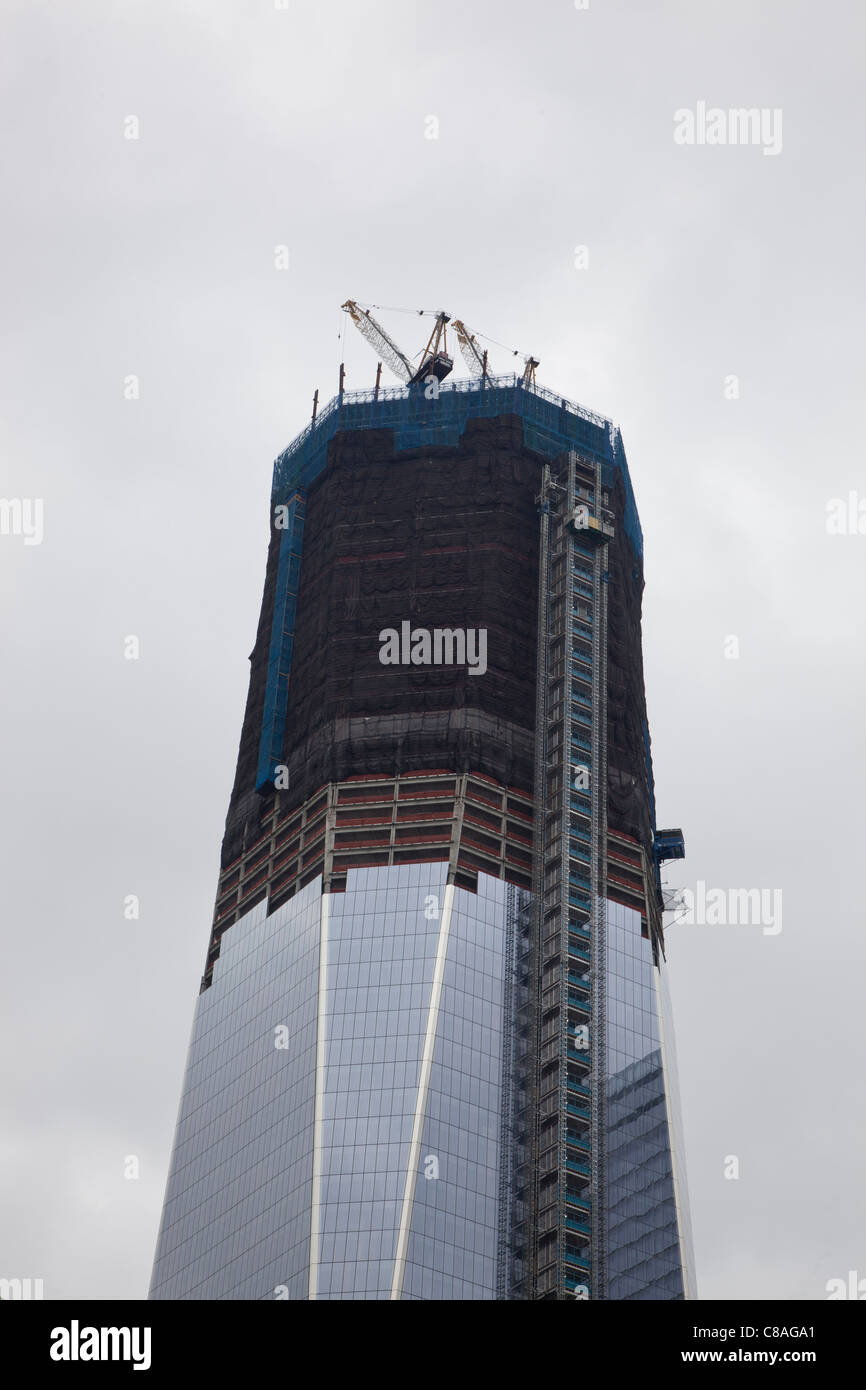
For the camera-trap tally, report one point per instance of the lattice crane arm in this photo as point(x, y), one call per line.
point(435, 361)
point(384, 345)
point(469, 349)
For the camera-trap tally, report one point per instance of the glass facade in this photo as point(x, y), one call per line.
point(354, 1116)
point(236, 1220)
point(648, 1237)
point(678, 1145)
point(452, 1250)
point(381, 954)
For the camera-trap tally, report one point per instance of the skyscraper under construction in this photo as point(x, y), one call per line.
point(432, 1055)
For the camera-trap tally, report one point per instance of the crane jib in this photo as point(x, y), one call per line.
point(435, 363)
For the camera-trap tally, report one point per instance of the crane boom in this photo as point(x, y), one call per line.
point(469, 348)
point(529, 370)
point(380, 340)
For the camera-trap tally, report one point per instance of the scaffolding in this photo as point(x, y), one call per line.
point(568, 1122)
point(551, 424)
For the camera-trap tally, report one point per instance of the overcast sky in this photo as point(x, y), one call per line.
point(306, 127)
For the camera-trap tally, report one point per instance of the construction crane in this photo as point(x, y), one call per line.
point(476, 360)
point(434, 359)
point(530, 364)
point(472, 354)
